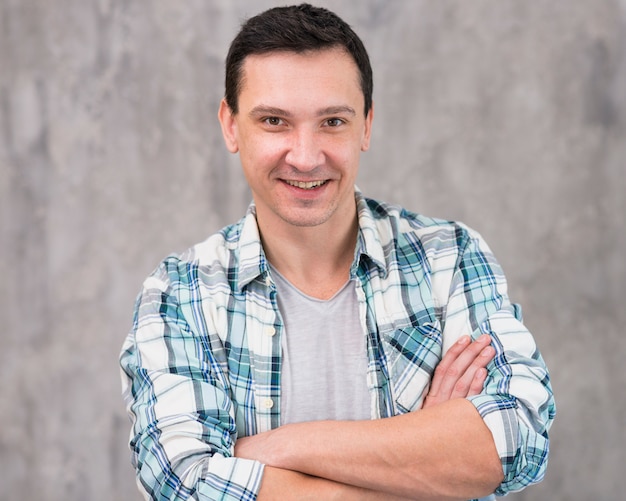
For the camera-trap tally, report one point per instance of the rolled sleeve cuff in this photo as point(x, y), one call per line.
point(218, 477)
point(500, 416)
point(235, 478)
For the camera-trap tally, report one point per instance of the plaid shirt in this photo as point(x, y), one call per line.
point(201, 365)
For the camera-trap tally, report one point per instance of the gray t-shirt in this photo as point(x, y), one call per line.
point(324, 367)
point(324, 361)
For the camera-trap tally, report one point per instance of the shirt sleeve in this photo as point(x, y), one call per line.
point(175, 388)
point(517, 403)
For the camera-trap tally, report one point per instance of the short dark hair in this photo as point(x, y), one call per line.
point(297, 28)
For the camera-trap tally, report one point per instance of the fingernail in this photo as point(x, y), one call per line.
point(463, 340)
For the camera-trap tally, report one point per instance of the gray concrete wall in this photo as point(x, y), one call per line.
point(508, 115)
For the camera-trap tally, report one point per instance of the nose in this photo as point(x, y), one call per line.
point(304, 150)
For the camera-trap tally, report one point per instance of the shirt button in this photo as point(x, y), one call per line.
point(268, 280)
point(270, 331)
point(268, 403)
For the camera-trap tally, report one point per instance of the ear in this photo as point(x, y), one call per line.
point(229, 126)
point(367, 134)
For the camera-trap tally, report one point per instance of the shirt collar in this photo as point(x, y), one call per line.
point(253, 263)
point(252, 260)
point(370, 234)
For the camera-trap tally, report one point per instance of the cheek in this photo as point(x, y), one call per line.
point(260, 153)
point(264, 146)
point(345, 154)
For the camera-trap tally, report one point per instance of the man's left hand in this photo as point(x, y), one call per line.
point(461, 372)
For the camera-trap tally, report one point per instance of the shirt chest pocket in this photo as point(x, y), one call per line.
point(412, 353)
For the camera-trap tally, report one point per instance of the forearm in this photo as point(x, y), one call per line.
point(444, 452)
point(289, 485)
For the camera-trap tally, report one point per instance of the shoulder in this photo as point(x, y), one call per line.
point(400, 226)
point(208, 262)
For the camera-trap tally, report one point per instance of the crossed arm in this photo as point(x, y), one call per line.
point(442, 452)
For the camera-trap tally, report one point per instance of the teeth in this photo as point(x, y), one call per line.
point(306, 185)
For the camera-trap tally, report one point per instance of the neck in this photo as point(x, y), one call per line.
point(314, 259)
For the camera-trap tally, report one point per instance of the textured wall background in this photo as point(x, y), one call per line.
point(508, 115)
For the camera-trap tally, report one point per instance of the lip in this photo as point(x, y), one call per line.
point(306, 192)
point(306, 185)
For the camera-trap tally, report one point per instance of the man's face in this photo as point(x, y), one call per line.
point(299, 132)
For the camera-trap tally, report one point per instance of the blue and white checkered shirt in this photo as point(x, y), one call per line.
point(202, 363)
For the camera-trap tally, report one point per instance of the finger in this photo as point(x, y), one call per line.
point(471, 382)
point(478, 383)
point(442, 368)
point(453, 373)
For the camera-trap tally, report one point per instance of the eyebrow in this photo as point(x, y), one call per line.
point(337, 110)
point(261, 110)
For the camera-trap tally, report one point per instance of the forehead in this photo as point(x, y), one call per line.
point(300, 77)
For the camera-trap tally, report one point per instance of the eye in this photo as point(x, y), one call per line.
point(273, 121)
point(334, 122)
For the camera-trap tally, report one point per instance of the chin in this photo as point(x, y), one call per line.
point(306, 220)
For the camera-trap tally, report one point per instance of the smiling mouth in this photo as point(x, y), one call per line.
point(305, 185)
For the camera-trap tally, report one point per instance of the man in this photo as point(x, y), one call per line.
point(327, 346)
